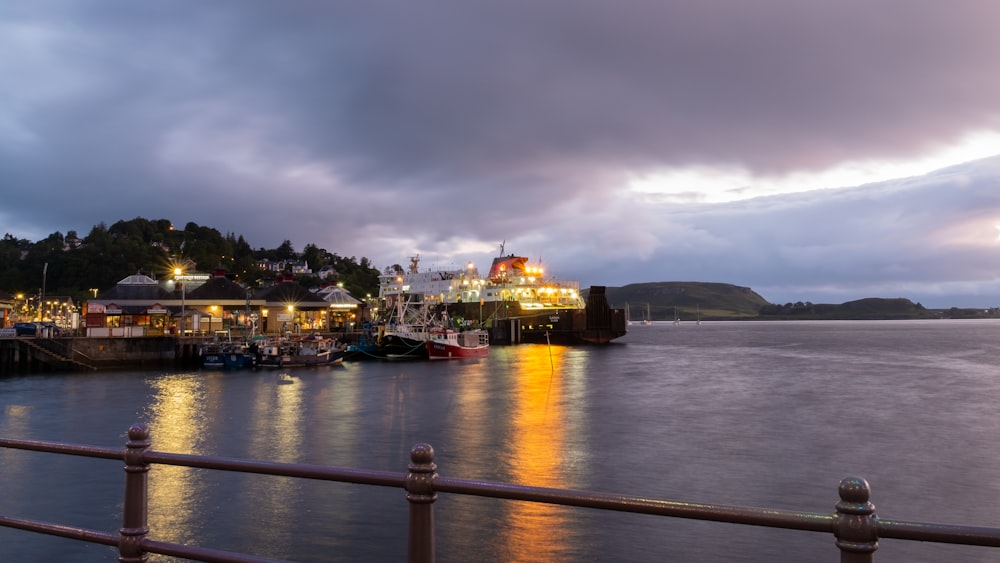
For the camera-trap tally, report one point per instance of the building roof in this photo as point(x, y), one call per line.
point(220, 288)
point(290, 293)
point(135, 287)
point(336, 295)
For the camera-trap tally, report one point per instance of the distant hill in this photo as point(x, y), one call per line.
point(869, 308)
point(722, 301)
point(689, 299)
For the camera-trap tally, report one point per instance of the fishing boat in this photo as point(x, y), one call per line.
point(311, 350)
point(449, 344)
point(401, 333)
point(515, 299)
point(407, 331)
point(227, 355)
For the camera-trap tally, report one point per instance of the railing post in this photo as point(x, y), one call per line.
point(420, 493)
point(856, 531)
point(134, 527)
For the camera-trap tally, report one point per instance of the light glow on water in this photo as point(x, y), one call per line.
point(176, 422)
point(761, 414)
point(536, 449)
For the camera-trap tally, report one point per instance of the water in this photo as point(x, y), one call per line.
point(763, 414)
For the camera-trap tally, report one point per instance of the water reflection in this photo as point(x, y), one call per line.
point(17, 422)
point(536, 453)
point(175, 418)
point(275, 428)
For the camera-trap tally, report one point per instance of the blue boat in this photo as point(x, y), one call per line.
point(227, 355)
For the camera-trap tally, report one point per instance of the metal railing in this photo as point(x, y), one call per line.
point(854, 524)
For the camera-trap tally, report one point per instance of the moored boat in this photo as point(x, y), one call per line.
point(449, 344)
point(309, 350)
point(227, 355)
point(515, 299)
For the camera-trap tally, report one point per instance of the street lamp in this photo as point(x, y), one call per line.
point(177, 273)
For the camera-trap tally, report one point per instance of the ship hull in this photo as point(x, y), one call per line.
point(509, 323)
point(447, 351)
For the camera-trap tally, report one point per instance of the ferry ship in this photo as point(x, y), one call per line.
point(515, 300)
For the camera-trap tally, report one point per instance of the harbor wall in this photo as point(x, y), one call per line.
point(39, 355)
point(22, 355)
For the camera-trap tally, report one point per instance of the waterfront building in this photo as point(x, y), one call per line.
point(136, 306)
point(6, 309)
point(290, 307)
point(139, 305)
point(343, 307)
point(224, 306)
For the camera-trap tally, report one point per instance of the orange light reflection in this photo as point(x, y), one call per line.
point(538, 451)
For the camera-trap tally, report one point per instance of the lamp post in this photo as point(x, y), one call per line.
point(177, 273)
point(41, 300)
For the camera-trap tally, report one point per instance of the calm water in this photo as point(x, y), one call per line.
point(763, 414)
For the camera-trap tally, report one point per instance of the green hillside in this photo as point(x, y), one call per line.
point(722, 301)
point(869, 308)
point(689, 299)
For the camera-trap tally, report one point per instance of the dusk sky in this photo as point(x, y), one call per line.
point(818, 151)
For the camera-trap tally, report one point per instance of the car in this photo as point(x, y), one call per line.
point(26, 329)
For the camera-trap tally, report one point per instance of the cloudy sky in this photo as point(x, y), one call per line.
point(812, 150)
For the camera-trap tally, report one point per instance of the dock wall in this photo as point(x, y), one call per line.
point(39, 355)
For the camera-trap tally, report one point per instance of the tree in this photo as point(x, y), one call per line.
point(285, 251)
point(108, 254)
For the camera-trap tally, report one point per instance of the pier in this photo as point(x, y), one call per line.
point(855, 527)
point(24, 355)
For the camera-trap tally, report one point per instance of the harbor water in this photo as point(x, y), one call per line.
point(767, 414)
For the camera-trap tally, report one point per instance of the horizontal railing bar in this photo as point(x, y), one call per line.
point(62, 448)
point(202, 553)
point(151, 546)
point(806, 521)
point(82, 534)
point(941, 533)
point(774, 518)
point(306, 471)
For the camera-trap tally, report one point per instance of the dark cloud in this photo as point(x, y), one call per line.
point(382, 129)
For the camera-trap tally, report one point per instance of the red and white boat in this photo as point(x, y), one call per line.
point(448, 344)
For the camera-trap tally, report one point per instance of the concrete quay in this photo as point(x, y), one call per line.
point(39, 355)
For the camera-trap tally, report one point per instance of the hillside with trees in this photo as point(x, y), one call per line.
point(720, 301)
point(72, 265)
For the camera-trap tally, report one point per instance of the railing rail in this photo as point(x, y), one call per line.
point(854, 524)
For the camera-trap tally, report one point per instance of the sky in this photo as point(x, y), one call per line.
point(818, 150)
